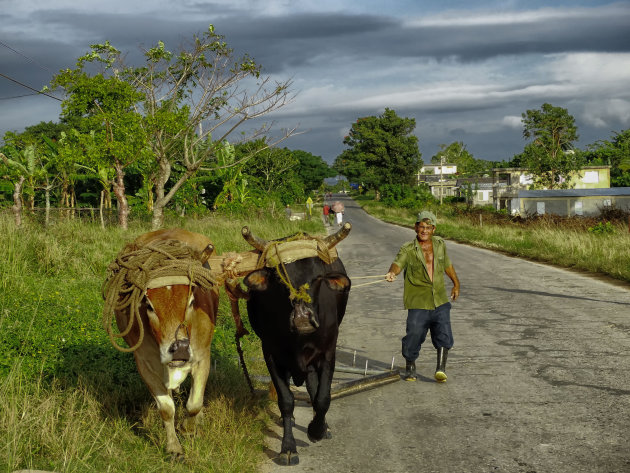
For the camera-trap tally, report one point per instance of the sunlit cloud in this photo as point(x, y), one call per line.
point(454, 18)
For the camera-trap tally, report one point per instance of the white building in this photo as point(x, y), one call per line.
point(439, 169)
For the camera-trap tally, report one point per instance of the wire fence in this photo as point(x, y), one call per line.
point(53, 215)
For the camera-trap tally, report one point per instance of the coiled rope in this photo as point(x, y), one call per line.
point(132, 270)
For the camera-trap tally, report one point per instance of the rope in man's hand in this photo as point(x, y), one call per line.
point(380, 277)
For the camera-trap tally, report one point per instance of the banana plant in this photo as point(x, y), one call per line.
point(28, 170)
point(234, 183)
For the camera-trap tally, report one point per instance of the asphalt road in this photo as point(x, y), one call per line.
point(538, 379)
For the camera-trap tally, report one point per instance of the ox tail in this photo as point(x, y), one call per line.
point(242, 359)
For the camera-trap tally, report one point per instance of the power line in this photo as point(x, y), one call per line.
point(26, 57)
point(18, 96)
point(29, 87)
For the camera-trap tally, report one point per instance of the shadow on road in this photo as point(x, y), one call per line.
point(549, 294)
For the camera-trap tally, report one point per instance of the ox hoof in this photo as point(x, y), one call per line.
point(178, 457)
point(315, 436)
point(288, 459)
point(189, 425)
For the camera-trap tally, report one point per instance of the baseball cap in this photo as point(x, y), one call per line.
point(425, 214)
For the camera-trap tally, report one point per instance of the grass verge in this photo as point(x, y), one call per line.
point(70, 401)
point(567, 243)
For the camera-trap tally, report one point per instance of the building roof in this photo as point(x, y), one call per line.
point(499, 170)
point(606, 192)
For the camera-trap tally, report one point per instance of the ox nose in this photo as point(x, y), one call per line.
point(303, 319)
point(179, 350)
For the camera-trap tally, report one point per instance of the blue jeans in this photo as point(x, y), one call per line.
point(419, 321)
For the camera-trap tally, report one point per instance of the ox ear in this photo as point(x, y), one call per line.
point(337, 282)
point(257, 280)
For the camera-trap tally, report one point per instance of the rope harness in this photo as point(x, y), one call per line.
point(290, 249)
point(137, 268)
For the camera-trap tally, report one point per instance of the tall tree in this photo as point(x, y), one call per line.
point(269, 168)
point(180, 106)
point(103, 105)
point(312, 169)
point(194, 100)
point(382, 150)
point(467, 164)
point(615, 153)
point(550, 156)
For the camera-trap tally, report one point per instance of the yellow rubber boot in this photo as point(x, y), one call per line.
point(440, 370)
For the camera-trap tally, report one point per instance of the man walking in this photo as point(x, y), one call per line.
point(425, 261)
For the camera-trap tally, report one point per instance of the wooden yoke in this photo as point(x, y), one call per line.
point(233, 265)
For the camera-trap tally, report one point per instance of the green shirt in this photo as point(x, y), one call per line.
point(420, 292)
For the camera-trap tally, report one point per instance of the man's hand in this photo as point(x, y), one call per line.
point(390, 277)
point(450, 272)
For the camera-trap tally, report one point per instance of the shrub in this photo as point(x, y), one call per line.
point(399, 195)
point(602, 228)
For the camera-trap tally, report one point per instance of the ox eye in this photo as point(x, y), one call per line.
point(150, 307)
point(151, 311)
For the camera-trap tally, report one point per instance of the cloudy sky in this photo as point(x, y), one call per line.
point(465, 70)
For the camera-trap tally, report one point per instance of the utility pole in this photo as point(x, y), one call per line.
point(441, 178)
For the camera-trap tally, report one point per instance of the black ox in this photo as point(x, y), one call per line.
point(295, 306)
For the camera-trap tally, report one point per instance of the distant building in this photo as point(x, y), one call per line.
point(443, 169)
point(443, 188)
point(570, 202)
point(479, 188)
point(508, 183)
point(440, 178)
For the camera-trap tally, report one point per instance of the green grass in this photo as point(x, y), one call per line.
point(563, 242)
point(70, 401)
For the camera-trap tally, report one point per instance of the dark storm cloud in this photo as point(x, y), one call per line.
point(293, 40)
point(283, 43)
point(330, 47)
point(35, 65)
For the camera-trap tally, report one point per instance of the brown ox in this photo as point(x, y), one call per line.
point(177, 324)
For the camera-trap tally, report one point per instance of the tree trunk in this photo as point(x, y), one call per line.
point(162, 199)
point(63, 202)
point(73, 202)
point(17, 201)
point(160, 202)
point(47, 218)
point(119, 192)
point(100, 209)
point(158, 216)
point(150, 201)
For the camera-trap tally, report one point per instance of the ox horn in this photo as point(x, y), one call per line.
point(253, 240)
point(332, 240)
point(206, 253)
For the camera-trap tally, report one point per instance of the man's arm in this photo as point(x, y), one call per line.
point(394, 269)
point(450, 272)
